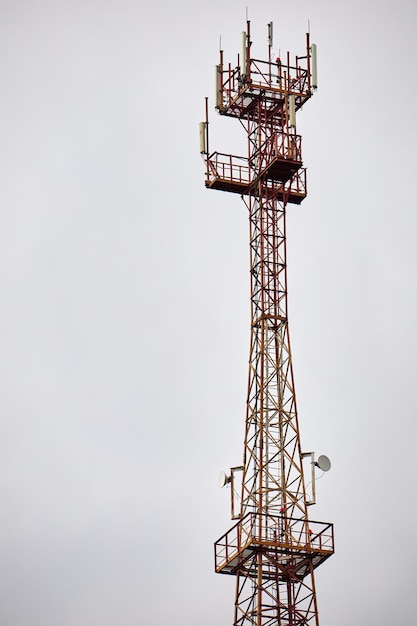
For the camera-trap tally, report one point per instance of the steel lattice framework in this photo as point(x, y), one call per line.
point(274, 547)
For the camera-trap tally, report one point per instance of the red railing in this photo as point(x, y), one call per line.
point(273, 532)
point(282, 146)
point(277, 77)
point(227, 167)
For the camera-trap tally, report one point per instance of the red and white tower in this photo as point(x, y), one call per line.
point(274, 547)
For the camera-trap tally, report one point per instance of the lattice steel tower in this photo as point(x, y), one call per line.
point(273, 548)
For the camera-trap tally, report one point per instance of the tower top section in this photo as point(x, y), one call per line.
point(239, 88)
point(264, 95)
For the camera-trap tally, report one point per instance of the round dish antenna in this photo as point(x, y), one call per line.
point(223, 479)
point(323, 462)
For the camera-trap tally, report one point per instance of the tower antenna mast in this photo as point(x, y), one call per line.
point(273, 548)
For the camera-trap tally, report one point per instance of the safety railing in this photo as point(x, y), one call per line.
point(283, 146)
point(272, 76)
point(288, 78)
point(227, 167)
point(297, 186)
point(268, 532)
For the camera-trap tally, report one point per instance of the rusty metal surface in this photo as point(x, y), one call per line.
point(285, 543)
point(274, 548)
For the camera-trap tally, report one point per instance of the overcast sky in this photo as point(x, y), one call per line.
point(124, 317)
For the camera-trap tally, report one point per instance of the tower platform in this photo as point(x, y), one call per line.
point(283, 178)
point(267, 82)
point(276, 545)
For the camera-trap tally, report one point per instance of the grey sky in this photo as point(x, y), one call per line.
point(124, 318)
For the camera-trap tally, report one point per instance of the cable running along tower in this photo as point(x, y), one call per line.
point(273, 548)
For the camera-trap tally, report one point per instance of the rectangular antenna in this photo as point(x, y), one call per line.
point(270, 34)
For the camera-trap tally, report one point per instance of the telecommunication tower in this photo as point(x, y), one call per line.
point(274, 547)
